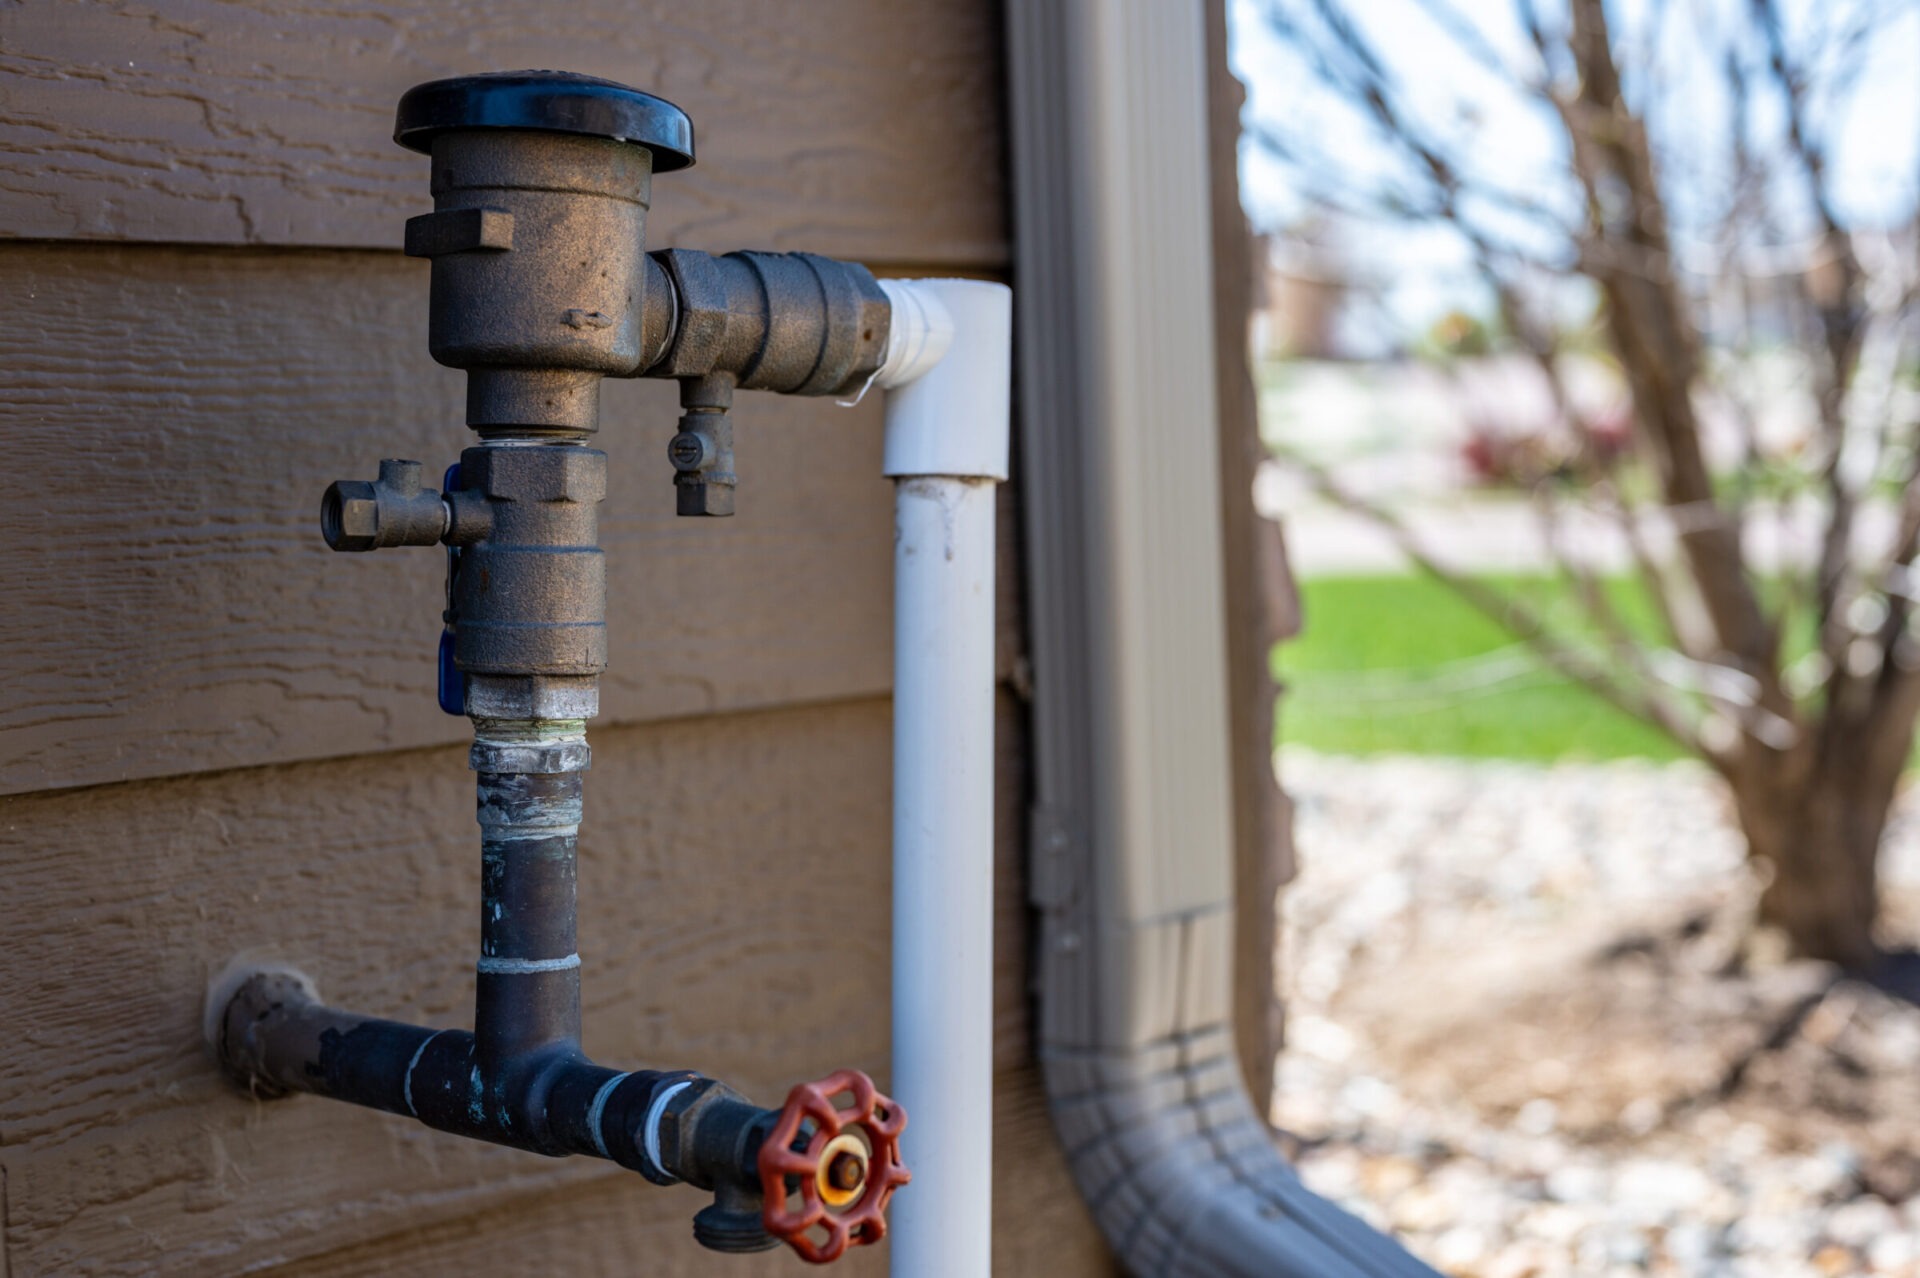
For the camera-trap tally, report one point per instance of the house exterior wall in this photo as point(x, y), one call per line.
point(219, 739)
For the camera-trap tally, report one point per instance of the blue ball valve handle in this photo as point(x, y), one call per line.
point(453, 692)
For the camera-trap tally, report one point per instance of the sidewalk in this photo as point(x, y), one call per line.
point(1501, 532)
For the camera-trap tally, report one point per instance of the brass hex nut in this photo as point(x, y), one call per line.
point(583, 475)
point(536, 474)
point(697, 495)
point(350, 515)
point(677, 1120)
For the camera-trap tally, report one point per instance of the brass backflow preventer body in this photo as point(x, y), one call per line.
point(541, 287)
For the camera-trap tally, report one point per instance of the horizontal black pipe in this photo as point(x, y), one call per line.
point(669, 1126)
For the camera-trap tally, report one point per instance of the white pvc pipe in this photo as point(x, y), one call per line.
point(946, 448)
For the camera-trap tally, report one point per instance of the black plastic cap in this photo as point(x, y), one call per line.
point(549, 101)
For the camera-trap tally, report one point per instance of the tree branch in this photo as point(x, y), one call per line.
point(1655, 341)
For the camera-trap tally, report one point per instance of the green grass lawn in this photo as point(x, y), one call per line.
point(1401, 665)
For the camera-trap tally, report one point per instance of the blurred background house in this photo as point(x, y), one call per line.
point(1301, 290)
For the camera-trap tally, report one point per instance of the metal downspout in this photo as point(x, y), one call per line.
point(1131, 869)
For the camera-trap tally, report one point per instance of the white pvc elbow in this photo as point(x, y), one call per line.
point(948, 367)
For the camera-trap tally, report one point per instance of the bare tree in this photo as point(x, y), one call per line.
point(1812, 752)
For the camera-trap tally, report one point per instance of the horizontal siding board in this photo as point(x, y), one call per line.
point(731, 868)
point(170, 606)
point(607, 1225)
point(859, 128)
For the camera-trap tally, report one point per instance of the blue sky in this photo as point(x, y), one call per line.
point(1505, 139)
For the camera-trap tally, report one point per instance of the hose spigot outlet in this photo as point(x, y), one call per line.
point(393, 510)
point(702, 1132)
point(732, 1223)
point(827, 1173)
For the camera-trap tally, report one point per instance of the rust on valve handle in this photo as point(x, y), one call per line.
point(842, 1184)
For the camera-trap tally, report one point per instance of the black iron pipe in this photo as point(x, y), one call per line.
point(520, 1078)
point(670, 1126)
point(527, 992)
point(278, 1038)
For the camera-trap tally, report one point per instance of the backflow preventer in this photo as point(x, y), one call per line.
point(542, 287)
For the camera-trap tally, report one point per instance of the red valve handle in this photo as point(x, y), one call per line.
point(824, 1166)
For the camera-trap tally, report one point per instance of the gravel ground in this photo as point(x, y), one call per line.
point(1528, 1034)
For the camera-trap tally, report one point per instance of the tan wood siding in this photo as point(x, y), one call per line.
point(199, 121)
point(731, 869)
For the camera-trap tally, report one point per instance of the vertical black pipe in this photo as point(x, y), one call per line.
point(527, 993)
point(529, 965)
